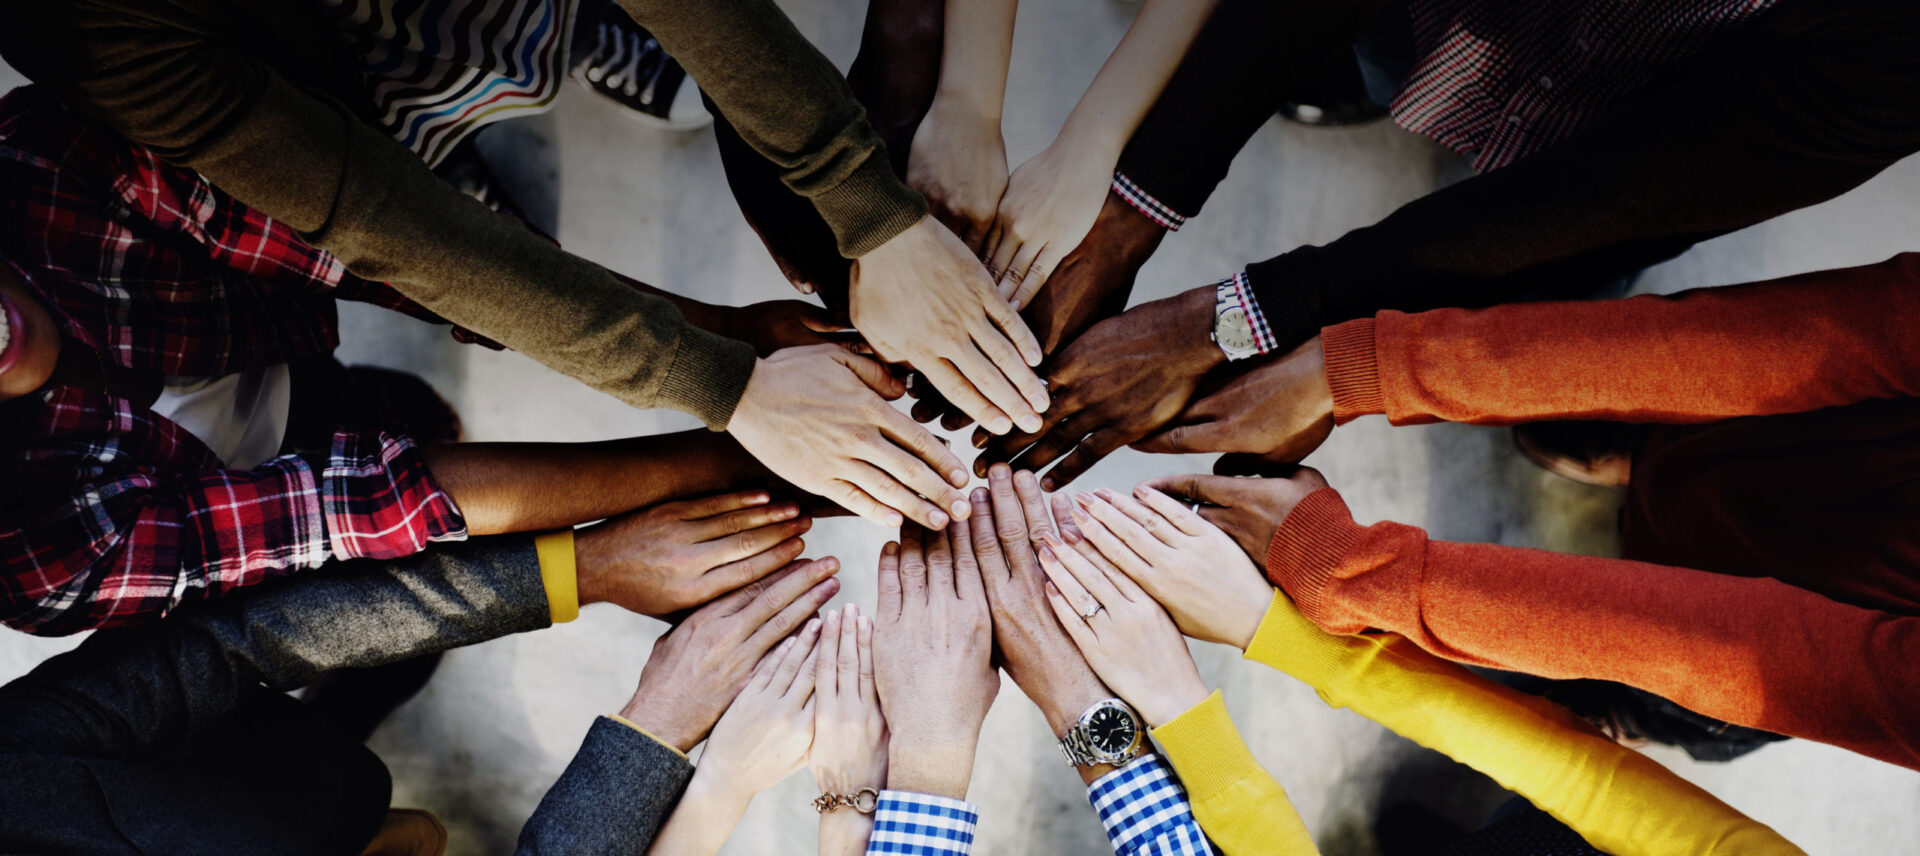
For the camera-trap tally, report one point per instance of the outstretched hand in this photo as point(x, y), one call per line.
point(1248, 509)
point(1279, 412)
point(678, 555)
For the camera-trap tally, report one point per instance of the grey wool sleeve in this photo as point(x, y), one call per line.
point(613, 798)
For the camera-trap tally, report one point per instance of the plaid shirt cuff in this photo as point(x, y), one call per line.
point(381, 502)
point(1242, 291)
point(1146, 811)
point(1144, 202)
point(922, 825)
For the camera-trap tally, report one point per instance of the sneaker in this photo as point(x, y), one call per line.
point(620, 60)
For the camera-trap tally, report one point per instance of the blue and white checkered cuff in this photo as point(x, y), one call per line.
point(922, 825)
point(1144, 202)
point(1146, 811)
point(1242, 290)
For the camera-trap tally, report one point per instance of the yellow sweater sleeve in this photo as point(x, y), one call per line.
point(559, 574)
point(1240, 808)
point(1622, 802)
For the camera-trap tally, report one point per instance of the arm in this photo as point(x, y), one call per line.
point(148, 71)
point(1753, 651)
point(959, 159)
point(1806, 104)
point(1052, 200)
point(1235, 800)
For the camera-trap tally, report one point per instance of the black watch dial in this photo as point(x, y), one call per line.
point(1111, 731)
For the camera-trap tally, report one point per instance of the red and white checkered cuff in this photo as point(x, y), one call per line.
point(1155, 210)
point(1242, 291)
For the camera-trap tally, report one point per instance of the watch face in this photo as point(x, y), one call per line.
point(1233, 332)
point(1110, 731)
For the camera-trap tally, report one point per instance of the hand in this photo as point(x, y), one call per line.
point(932, 660)
point(1121, 381)
point(1198, 573)
point(1093, 282)
point(1037, 652)
point(819, 418)
point(765, 734)
point(679, 555)
point(1281, 412)
point(850, 736)
point(1125, 635)
point(777, 324)
point(959, 162)
point(698, 668)
point(1249, 510)
point(1050, 205)
point(922, 299)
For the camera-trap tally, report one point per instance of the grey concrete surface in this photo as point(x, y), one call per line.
point(500, 720)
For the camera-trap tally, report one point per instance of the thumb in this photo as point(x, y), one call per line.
point(1196, 487)
point(873, 374)
point(1179, 439)
point(819, 320)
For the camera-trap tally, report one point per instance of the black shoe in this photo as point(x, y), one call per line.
point(620, 60)
point(1334, 97)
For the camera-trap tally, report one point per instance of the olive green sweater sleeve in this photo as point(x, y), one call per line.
point(793, 107)
point(196, 81)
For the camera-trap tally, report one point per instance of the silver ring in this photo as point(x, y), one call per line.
point(1089, 614)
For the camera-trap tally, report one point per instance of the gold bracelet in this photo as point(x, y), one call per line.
point(863, 801)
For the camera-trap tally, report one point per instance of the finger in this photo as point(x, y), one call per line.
point(1004, 449)
point(874, 374)
point(996, 348)
point(826, 680)
point(821, 321)
point(1083, 636)
point(1058, 441)
point(1043, 267)
point(1224, 491)
point(763, 672)
point(913, 563)
point(846, 651)
point(1092, 449)
point(758, 601)
point(978, 232)
point(1069, 517)
point(1012, 527)
point(752, 542)
point(866, 661)
point(1079, 600)
point(981, 529)
point(1186, 439)
point(783, 622)
point(1004, 249)
point(1009, 321)
point(721, 524)
point(733, 575)
point(1095, 579)
point(1182, 517)
point(705, 507)
point(1017, 270)
point(988, 377)
point(1093, 527)
point(889, 584)
point(852, 498)
point(1033, 503)
point(923, 481)
point(960, 392)
point(897, 497)
point(939, 565)
point(1143, 529)
point(794, 658)
point(966, 569)
point(910, 435)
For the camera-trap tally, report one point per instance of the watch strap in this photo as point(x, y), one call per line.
point(1230, 294)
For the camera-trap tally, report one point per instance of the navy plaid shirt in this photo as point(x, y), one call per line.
point(111, 512)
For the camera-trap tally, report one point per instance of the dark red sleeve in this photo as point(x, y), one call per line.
point(1785, 346)
point(1752, 651)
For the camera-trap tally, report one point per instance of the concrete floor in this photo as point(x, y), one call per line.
point(500, 721)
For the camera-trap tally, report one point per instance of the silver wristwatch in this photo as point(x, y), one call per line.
point(1108, 733)
point(1232, 329)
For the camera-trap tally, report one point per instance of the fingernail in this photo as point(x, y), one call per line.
point(1014, 304)
point(1029, 424)
point(891, 549)
point(866, 623)
point(1046, 485)
point(831, 587)
point(962, 509)
point(1052, 591)
point(1083, 499)
point(853, 610)
point(979, 495)
point(1070, 536)
point(1046, 551)
point(1039, 402)
point(813, 626)
point(1001, 425)
point(1140, 491)
point(1103, 493)
point(787, 644)
point(998, 473)
point(892, 518)
point(980, 439)
point(785, 512)
point(957, 478)
point(937, 520)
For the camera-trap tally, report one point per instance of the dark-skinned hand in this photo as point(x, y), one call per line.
point(1121, 381)
point(775, 324)
point(678, 555)
point(1280, 412)
point(1249, 509)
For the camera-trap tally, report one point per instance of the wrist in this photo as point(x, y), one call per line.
point(720, 791)
point(942, 769)
point(1166, 705)
point(1062, 707)
point(1087, 146)
point(1194, 344)
point(978, 107)
point(663, 725)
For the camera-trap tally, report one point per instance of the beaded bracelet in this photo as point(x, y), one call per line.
point(863, 801)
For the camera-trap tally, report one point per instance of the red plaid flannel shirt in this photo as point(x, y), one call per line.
point(110, 512)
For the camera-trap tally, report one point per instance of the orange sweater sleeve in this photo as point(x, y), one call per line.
point(1752, 651)
point(1784, 346)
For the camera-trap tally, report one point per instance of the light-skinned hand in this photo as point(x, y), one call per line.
point(1213, 591)
point(766, 733)
point(678, 555)
point(849, 734)
point(923, 299)
point(698, 668)
point(959, 162)
point(1049, 206)
point(819, 417)
point(1280, 412)
point(1036, 651)
point(932, 660)
point(1120, 381)
point(1248, 509)
point(1130, 641)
